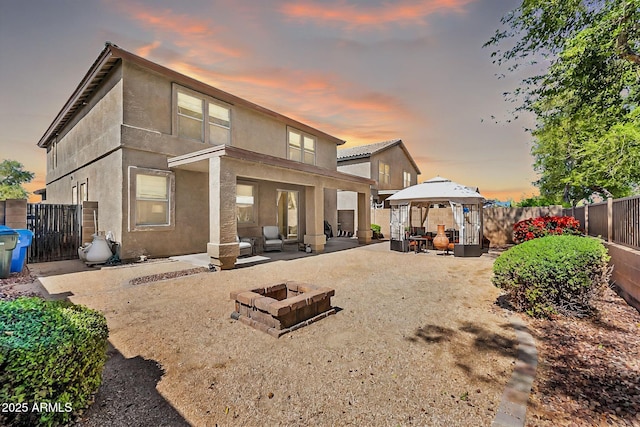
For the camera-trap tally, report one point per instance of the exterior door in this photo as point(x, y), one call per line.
point(288, 214)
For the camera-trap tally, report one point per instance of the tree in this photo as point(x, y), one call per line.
point(12, 176)
point(586, 99)
point(535, 201)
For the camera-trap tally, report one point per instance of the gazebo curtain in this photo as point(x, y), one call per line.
point(458, 217)
point(424, 212)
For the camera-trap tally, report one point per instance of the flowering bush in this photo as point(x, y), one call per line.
point(532, 228)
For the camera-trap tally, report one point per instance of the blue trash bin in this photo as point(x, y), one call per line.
point(19, 257)
point(8, 241)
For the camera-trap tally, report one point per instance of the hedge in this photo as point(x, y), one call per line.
point(51, 359)
point(553, 275)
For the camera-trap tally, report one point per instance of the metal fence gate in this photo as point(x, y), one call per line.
point(56, 232)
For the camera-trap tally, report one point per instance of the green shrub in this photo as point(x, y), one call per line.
point(51, 359)
point(376, 228)
point(553, 274)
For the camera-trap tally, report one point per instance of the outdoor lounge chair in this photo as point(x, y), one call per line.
point(273, 240)
point(246, 246)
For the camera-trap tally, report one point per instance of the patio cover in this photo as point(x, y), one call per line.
point(435, 190)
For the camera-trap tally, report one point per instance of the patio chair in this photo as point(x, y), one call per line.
point(246, 245)
point(273, 240)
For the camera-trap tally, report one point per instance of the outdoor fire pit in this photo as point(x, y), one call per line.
point(283, 307)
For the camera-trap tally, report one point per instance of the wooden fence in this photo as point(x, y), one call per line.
point(616, 220)
point(626, 221)
point(56, 230)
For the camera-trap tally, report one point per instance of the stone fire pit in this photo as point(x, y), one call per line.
point(283, 307)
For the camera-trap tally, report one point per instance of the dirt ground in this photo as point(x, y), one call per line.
point(417, 340)
point(588, 369)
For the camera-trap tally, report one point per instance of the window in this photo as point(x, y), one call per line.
point(190, 114)
point(52, 155)
point(191, 111)
point(302, 147)
point(219, 124)
point(406, 179)
point(151, 198)
point(245, 203)
point(74, 195)
point(383, 173)
point(83, 192)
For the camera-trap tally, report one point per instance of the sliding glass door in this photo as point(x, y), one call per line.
point(288, 214)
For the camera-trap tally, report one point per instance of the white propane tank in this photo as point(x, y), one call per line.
point(99, 251)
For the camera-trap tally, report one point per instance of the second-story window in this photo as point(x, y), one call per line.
point(302, 147)
point(406, 179)
point(383, 173)
point(190, 114)
point(202, 119)
point(219, 124)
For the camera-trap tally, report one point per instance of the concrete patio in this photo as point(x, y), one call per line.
point(290, 252)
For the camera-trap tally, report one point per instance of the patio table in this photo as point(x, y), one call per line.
point(418, 240)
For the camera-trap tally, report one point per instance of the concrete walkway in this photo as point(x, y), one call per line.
point(513, 407)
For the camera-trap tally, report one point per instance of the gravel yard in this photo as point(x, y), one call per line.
point(417, 340)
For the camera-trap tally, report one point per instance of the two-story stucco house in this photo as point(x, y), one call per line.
point(388, 163)
point(178, 166)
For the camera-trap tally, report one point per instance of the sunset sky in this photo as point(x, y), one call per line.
point(363, 71)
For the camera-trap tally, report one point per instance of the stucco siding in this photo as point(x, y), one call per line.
point(398, 162)
point(103, 180)
point(361, 168)
point(190, 232)
point(347, 200)
point(148, 109)
point(326, 154)
point(147, 99)
point(95, 135)
point(257, 132)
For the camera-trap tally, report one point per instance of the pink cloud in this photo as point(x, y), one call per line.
point(320, 100)
point(146, 50)
point(324, 100)
point(188, 32)
point(370, 16)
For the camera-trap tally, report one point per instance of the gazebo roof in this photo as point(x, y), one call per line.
point(437, 189)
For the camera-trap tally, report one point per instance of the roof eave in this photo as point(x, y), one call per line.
point(79, 94)
point(354, 157)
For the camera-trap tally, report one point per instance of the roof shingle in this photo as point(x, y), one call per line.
point(365, 150)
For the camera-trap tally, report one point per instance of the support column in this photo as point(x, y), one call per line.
point(364, 218)
point(609, 220)
point(314, 215)
point(222, 247)
point(586, 219)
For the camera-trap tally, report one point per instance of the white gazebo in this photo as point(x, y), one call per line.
point(466, 204)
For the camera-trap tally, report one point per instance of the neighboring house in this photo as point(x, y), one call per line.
point(178, 166)
point(388, 163)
